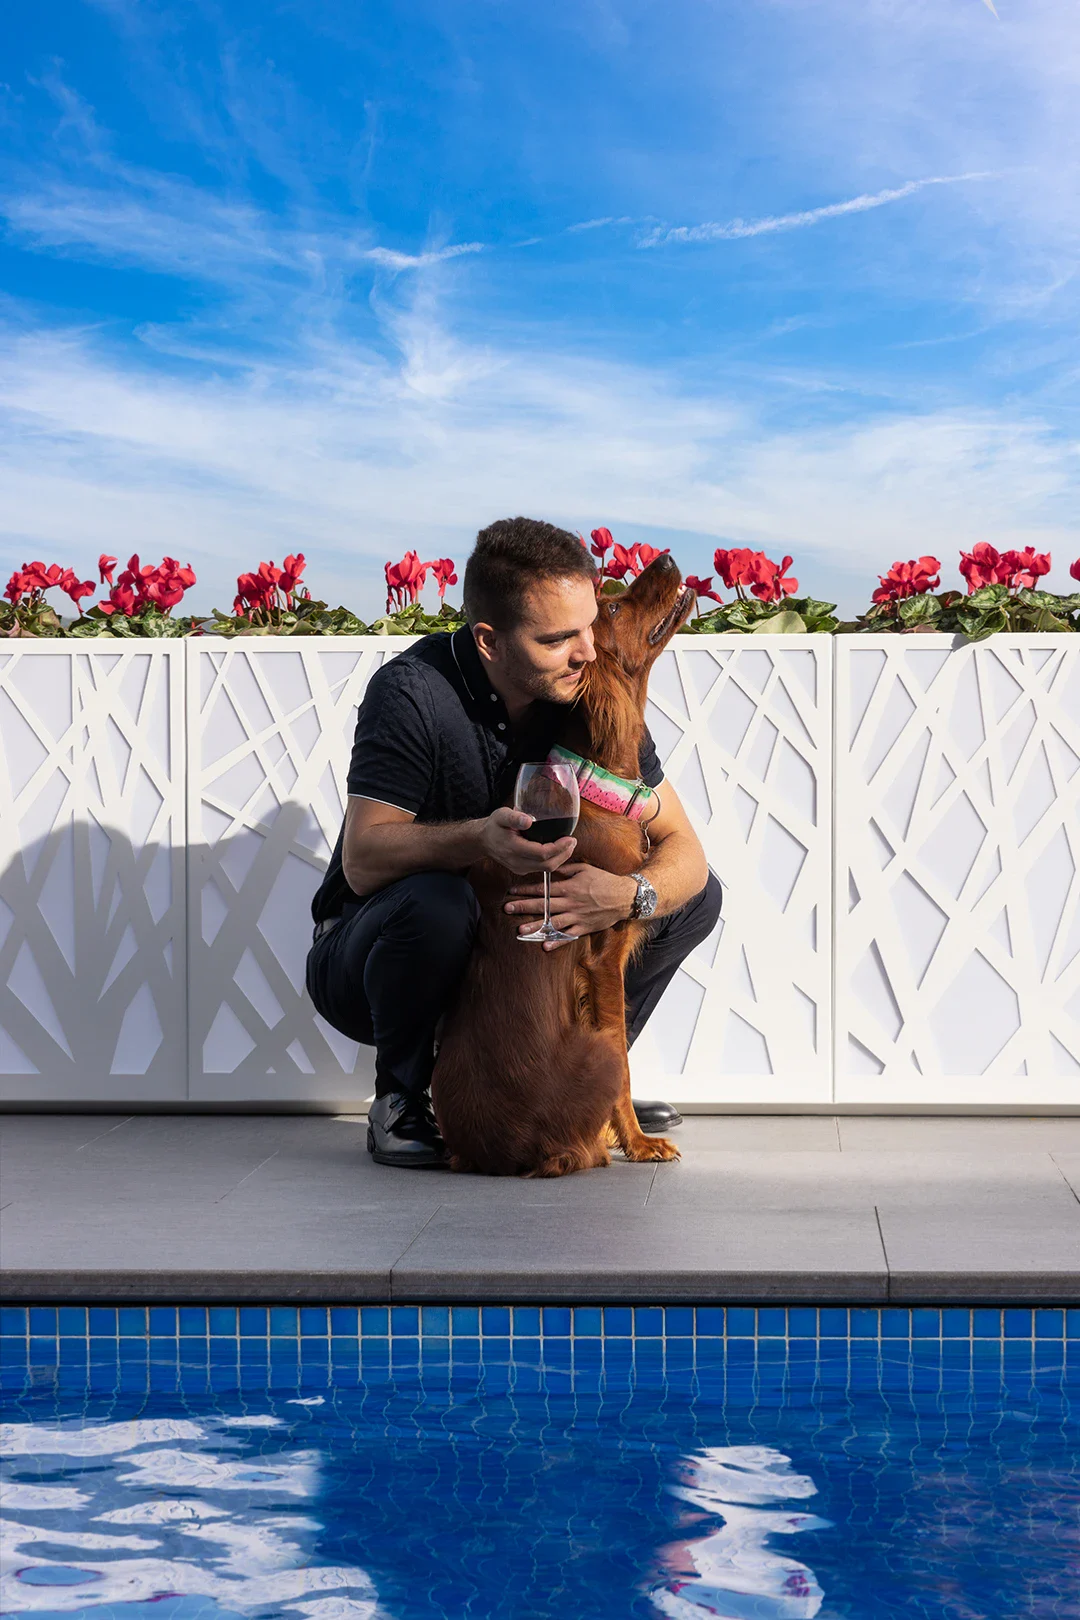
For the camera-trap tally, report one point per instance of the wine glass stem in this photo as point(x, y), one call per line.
point(547, 898)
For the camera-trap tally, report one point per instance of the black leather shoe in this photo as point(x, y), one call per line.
point(402, 1131)
point(656, 1117)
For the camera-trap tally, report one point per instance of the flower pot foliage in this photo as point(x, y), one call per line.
point(1003, 593)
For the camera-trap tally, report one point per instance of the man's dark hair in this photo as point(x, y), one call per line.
point(511, 556)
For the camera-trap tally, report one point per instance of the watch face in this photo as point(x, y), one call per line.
point(646, 898)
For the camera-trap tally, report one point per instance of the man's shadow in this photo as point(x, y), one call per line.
point(156, 974)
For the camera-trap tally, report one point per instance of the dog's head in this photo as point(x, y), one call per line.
point(630, 632)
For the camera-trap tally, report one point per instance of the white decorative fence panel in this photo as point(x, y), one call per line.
point(270, 728)
point(895, 821)
point(957, 881)
point(92, 905)
point(744, 729)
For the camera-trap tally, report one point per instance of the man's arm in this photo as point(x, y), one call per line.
point(585, 899)
point(383, 843)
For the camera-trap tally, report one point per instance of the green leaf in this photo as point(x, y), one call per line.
point(784, 623)
point(919, 610)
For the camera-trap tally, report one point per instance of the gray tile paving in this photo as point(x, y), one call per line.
point(646, 1256)
point(760, 1207)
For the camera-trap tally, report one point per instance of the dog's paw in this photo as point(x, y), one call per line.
point(649, 1149)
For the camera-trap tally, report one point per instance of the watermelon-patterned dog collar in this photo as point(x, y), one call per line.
point(635, 800)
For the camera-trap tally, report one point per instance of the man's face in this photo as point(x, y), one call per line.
point(545, 655)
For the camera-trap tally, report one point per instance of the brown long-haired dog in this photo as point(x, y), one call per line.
point(532, 1076)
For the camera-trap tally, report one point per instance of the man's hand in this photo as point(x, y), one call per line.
point(584, 900)
point(500, 837)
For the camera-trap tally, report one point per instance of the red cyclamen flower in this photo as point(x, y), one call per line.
point(1074, 571)
point(905, 579)
point(404, 579)
point(443, 569)
point(602, 542)
point(106, 564)
point(1019, 570)
point(701, 587)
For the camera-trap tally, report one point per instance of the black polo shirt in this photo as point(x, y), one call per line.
point(433, 737)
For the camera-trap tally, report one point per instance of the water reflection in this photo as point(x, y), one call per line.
point(186, 1513)
point(732, 1570)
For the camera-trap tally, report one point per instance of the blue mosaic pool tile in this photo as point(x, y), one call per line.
point(221, 1319)
point(986, 1323)
point(741, 1322)
point(374, 1321)
point(1072, 1324)
point(12, 1321)
point(618, 1321)
point(1049, 1324)
point(43, 1321)
point(833, 1322)
point(588, 1322)
point(802, 1322)
point(863, 1324)
point(711, 1321)
point(955, 1322)
point(525, 1321)
point(555, 1322)
point(71, 1321)
point(678, 1321)
point(131, 1321)
point(435, 1320)
point(925, 1324)
point(404, 1321)
point(344, 1321)
point(314, 1321)
point(648, 1322)
point(253, 1321)
point(192, 1321)
point(771, 1322)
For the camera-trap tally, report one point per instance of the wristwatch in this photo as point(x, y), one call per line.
point(645, 900)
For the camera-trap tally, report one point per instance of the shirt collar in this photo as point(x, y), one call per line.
point(470, 669)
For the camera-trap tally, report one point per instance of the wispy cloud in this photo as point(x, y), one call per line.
point(389, 259)
point(351, 452)
point(735, 229)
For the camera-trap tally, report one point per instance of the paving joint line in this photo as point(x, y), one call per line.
point(255, 1169)
point(411, 1243)
point(101, 1135)
point(884, 1256)
point(1064, 1177)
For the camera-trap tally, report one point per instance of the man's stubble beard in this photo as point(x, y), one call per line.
point(536, 685)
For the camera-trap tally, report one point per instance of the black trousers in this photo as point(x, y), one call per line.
point(386, 974)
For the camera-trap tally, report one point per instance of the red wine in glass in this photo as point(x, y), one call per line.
point(547, 791)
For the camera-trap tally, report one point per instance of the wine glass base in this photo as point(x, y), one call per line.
point(541, 935)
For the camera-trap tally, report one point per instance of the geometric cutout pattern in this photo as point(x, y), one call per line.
point(958, 973)
point(92, 862)
point(270, 728)
point(156, 877)
point(744, 732)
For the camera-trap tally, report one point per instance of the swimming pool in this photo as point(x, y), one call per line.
point(392, 1463)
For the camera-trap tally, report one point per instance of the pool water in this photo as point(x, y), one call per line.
point(743, 1477)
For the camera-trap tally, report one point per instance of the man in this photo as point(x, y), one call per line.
point(439, 736)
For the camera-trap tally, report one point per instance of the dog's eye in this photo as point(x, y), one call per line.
point(613, 608)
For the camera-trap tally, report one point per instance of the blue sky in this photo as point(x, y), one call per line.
point(346, 276)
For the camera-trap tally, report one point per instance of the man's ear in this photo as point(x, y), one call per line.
point(487, 642)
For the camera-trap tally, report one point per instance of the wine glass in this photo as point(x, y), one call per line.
point(548, 792)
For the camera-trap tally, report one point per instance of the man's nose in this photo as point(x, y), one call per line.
point(586, 647)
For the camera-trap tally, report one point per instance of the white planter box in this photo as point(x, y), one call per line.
point(92, 903)
point(958, 894)
point(894, 820)
point(744, 729)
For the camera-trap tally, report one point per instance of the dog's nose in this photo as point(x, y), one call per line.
point(665, 563)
